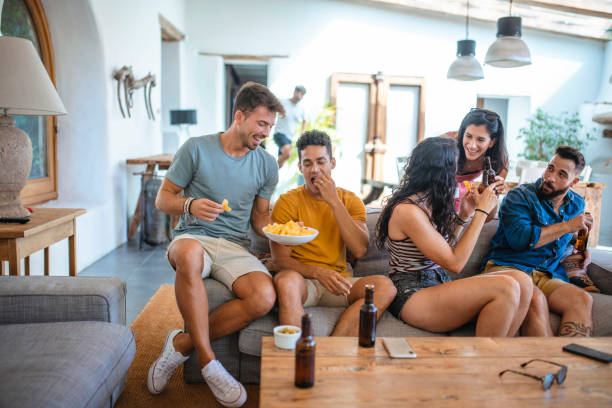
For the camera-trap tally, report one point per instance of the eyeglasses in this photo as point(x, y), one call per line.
point(547, 379)
point(489, 115)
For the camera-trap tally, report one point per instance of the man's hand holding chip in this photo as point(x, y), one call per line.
point(205, 209)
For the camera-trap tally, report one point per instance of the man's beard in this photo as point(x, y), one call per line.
point(552, 194)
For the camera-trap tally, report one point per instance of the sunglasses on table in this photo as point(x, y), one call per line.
point(547, 379)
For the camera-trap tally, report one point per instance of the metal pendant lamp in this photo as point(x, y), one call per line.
point(509, 50)
point(466, 67)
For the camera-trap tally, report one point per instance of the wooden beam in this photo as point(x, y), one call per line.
point(243, 57)
point(601, 8)
point(169, 32)
point(541, 15)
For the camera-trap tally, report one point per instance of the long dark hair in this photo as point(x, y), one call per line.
point(431, 173)
point(498, 152)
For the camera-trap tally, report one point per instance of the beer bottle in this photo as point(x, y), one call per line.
point(488, 175)
point(367, 319)
point(583, 239)
point(305, 355)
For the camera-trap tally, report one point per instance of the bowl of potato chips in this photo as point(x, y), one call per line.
point(289, 233)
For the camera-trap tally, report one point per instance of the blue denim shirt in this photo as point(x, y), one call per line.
point(521, 217)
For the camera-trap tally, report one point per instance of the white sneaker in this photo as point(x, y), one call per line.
point(228, 391)
point(165, 365)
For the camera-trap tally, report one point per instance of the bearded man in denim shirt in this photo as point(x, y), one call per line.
point(536, 223)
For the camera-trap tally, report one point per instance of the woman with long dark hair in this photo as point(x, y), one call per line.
point(419, 226)
point(481, 134)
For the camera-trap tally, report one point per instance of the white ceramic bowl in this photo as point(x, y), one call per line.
point(284, 340)
point(292, 239)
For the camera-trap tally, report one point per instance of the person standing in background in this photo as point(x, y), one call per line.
point(285, 128)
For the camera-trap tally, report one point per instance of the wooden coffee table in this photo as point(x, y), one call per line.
point(449, 371)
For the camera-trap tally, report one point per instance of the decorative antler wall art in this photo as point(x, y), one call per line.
point(125, 76)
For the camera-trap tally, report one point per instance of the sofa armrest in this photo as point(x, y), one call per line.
point(39, 299)
point(601, 277)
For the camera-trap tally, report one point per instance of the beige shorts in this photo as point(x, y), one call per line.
point(318, 295)
point(224, 260)
point(540, 279)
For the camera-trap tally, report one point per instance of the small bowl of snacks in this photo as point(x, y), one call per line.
point(286, 336)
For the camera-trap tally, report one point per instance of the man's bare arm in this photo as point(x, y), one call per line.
point(552, 232)
point(168, 200)
point(260, 215)
point(330, 279)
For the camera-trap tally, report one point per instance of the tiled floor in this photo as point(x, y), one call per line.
point(143, 270)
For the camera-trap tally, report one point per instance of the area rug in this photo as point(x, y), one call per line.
point(150, 328)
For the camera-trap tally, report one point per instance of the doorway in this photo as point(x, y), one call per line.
point(236, 74)
point(379, 118)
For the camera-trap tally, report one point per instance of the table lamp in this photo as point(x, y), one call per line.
point(25, 89)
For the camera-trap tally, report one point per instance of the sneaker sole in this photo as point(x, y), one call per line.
point(238, 402)
point(150, 384)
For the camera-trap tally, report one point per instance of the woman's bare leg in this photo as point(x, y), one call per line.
point(494, 300)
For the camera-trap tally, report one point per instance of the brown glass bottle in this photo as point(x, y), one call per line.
point(583, 239)
point(305, 356)
point(488, 175)
point(367, 319)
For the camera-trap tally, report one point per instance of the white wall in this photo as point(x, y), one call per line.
point(322, 37)
point(91, 39)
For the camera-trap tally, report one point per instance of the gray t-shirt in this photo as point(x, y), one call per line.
point(203, 169)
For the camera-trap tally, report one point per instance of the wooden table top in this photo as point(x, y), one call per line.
point(449, 371)
point(40, 220)
point(159, 159)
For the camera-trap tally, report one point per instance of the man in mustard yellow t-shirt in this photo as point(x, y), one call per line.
point(315, 273)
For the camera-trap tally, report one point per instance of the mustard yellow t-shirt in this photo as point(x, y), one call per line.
point(327, 249)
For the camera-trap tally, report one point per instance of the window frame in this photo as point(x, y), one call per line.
point(40, 190)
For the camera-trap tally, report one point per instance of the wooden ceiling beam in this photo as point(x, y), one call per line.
point(601, 8)
point(542, 17)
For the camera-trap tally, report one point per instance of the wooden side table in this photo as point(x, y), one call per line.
point(161, 162)
point(46, 227)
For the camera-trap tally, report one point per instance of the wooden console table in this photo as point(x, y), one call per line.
point(46, 227)
point(159, 161)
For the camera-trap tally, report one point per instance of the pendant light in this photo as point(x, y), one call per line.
point(466, 67)
point(509, 50)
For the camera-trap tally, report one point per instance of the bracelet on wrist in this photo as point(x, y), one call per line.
point(191, 200)
point(482, 211)
point(186, 205)
point(460, 221)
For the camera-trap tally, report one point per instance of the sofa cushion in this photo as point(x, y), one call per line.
point(375, 261)
point(38, 299)
point(64, 364)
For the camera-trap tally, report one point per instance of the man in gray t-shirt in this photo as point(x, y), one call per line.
point(226, 180)
point(285, 128)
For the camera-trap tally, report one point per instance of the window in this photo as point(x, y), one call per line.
point(26, 19)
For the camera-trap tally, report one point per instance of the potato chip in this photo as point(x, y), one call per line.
point(468, 185)
point(289, 228)
point(225, 206)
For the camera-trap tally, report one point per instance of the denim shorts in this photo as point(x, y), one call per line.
point(409, 283)
point(281, 140)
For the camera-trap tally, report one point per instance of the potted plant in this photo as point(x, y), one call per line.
point(545, 132)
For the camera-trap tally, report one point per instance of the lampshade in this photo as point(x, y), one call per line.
point(509, 50)
point(183, 117)
point(25, 89)
point(25, 84)
point(465, 67)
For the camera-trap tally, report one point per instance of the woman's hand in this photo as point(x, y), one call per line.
point(468, 205)
point(502, 187)
point(487, 201)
